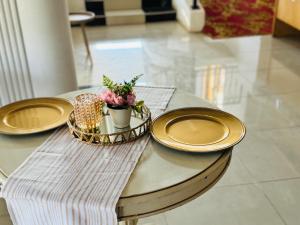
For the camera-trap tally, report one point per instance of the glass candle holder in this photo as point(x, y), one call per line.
point(88, 112)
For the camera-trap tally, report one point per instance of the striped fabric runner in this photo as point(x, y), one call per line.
point(66, 182)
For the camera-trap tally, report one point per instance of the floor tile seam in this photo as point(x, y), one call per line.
point(262, 181)
point(273, 94)
point(277, 211)
point(82, 47)
point(261, 70)
point(285, 93)
point(247, 95)
point(257, 185)
point(271, 129)
point(257, 182)
point(233, 185)
point(279, 180)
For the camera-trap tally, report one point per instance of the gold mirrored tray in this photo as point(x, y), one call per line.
point(197, 129)
point(107, 134)
point(34, 115)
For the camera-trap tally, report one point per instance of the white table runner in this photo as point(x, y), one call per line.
point(66, 182)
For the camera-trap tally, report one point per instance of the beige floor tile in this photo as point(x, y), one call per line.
point(154, 220)
point(120, 51)
point(236, 173)
point(285, 42)
point(265, 159)
point(263, 112)
point(287, 58)
point(165, 52)
point(220, 71)
point(258, 43)
point(274, 80)
point(277, 58)
point(287, 141)
point(239, 205)
point(291, 101)
point(285, 196)
point(214, 77)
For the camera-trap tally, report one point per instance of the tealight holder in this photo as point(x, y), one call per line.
point(88, 112)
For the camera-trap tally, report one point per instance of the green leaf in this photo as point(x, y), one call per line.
point(139, 106)
point(121, 89)
point(107, 82)
point(133, 80)
point(139, 103)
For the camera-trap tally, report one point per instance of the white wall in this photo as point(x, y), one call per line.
point(76, 5)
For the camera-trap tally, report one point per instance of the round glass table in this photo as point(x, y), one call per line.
point(162, 180)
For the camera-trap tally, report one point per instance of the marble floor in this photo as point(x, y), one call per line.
point(255, 78)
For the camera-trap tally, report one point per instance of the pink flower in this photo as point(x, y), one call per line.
point(112, 98)
point(108, 96)
point(131, 99)
point(119, 100)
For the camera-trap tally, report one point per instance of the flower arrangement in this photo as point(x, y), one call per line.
point(121, 95)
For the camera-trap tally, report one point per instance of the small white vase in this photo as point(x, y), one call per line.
point(120, 117)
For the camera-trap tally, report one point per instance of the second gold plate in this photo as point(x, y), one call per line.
point(34, 115)
point(198, 129)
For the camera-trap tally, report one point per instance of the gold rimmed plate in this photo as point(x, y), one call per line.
point(197, 129)
point(34, 115)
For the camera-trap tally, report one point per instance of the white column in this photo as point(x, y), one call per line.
point(47, 37)
point(15, 80)
point(37, 55)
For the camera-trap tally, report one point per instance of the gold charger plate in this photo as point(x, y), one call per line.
point(197, 129)
point(34, 115)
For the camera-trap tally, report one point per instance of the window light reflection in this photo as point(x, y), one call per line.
point(219, 84)
point(124, 44)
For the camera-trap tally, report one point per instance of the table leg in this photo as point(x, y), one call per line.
point(86, 41)
point(131, 222)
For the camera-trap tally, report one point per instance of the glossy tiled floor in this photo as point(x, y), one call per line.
point(255, 78)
